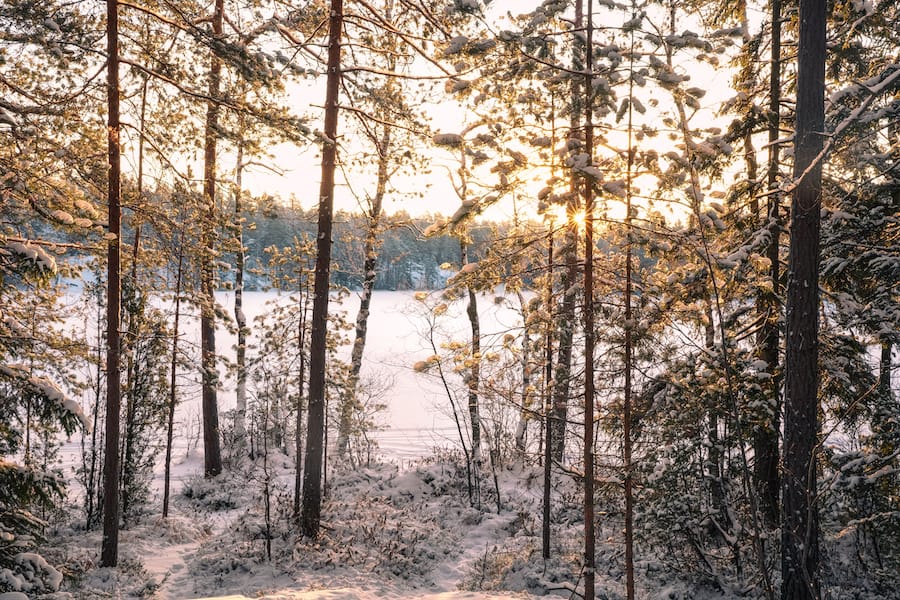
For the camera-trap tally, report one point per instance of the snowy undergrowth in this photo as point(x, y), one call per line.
point(386, 533)
point(75, 552)
point(382, 528)
point(407, 533)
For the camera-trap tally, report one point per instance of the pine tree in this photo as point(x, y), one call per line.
point(312, 472)
point(110, 547)
point(33, 405)
point(800, 528)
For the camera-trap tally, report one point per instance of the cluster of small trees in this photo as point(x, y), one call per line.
point(673, 336)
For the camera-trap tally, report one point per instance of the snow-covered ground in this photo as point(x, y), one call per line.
point(387, 532)
point(402, 528)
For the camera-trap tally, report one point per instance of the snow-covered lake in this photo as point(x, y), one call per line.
point(418, 416)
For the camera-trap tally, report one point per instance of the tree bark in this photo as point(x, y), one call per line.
point(212, 453)
point(799, 537)
point(765, 437)
point(884, 370)
point(301, 380)
point(548, 406)
point(473, 383)
point(589, 341)
point(627, 397)
point(524, 411)
point(240, 409)
point(109, 551)
point(170, 422)
point(370, 264)
point(312, 473)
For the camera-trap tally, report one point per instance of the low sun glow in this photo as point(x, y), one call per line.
point(578, 218)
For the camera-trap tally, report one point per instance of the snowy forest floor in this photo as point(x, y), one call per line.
point(387, 532)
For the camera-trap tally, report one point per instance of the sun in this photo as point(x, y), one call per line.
point(579, 218)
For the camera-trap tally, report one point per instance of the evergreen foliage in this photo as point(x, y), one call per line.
point(688, 287)
point(34, 410)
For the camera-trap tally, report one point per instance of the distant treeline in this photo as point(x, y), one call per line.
point(406, 258)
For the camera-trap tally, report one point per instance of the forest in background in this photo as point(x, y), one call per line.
point(408, 260)
point(708, 281)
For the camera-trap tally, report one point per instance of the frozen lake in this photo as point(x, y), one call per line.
point(418, 416)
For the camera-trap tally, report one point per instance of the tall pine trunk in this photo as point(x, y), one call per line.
point(109, 552)
point(799, 530)
point(589, 341)
point(240, 409)
point(548, 405)
point(566, 315)
point(212, 453)
point(312, 473)
point(765, 437)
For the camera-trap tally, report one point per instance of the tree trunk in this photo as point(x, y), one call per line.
point(473, 380)
point(548, 406)
point(383, 146)
point(884, 371)
point(134, 311)
point(212, 453)
point(589, 391)
point(312, 473)
point(92, 486)
point(349, 401)
point(170, 425)
point(522, 427)
point(566, 316)
point(109, 553)
point(301, 376)
point(627, 397)
point(765, 437)
point(566, 326)
point(589, 342)
point(240, 409)
point(799, 537)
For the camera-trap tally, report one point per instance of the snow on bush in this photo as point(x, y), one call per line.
point(210, 494)
point(32, 252)
point(32, 573)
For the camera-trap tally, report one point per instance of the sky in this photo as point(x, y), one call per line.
point(297, 172)
point(427, 190)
